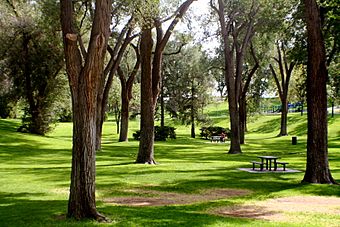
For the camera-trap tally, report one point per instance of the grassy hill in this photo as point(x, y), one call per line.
point(35, 173)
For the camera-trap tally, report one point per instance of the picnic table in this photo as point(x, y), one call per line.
point(268, 161)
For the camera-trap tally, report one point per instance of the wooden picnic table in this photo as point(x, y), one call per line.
point(268, 161)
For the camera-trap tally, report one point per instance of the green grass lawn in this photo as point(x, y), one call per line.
point(35, 174)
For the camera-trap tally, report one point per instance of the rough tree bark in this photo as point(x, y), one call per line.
point(286, 70)
point(146, 150)
point(84, 72)
point(317, 167)
point(151, 79)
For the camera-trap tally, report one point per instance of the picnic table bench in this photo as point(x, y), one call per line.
point(266, 161)
point(281, 163)
point(257, 163)
point(216, 139)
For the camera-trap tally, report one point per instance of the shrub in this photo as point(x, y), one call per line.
point(161, 133)
point(207, 132)
point(65, 115)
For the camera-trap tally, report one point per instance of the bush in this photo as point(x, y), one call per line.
point(40, 124)
point(65, 115)
point(161, 133)
point(207, 132)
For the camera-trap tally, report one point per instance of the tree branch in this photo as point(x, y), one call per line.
point(181, 11)
point(177, 51)
point(276, 81)
point(13, 8)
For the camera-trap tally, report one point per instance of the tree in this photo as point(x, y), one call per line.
point(300, 86)
point(248, 77)
point(126, 94)
point(282, 80)
point(151, 62)
point(32, 56)
point(114, 102)
point(85, 70)
point(317, 167)
point(121, 41)
point(237, 24)
point(216, 69)
point(187, 85)
point(334, 85)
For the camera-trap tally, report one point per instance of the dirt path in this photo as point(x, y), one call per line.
point(157, 198)
point(285, 209)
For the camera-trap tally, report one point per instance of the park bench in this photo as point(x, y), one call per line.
point(257, 163)
point(281, 163)
point(215, 139)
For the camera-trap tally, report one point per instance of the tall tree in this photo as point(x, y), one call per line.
point(85, 70)
point(248, 77)
point(237, 24)
point(282, 80)
point(151, 62)
point(317, 167)
point(121, 39)
point(126, 94)
point(31, 55)
point(187, 85)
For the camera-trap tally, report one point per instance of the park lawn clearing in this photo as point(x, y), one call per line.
point(195, 179)
point(285, 209)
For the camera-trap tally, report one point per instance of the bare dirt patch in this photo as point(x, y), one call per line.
point(158, 198)
point(285, 209)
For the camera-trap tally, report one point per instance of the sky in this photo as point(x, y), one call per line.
point(199, 9)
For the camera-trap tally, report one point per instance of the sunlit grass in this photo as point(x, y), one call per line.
point(35, 174)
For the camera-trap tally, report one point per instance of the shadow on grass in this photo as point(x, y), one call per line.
point(17, 144)
point(172, 216)
point(17, 209)
point(273, 125)
point(268, 126)
point(187, 165)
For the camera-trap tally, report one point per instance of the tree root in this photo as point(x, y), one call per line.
point(101, 218)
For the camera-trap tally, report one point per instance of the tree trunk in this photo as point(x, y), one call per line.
point(117, 118)
point(332, 109)
point(151, 79)
point(243, 96)
point(243, 119)
point(99, 128)
point(162, 107)
point(124, 120)
point(146, 150)
point(234, 47)
point(82, 202)
point(285, 70)
point(317, 167)
point(235, 147)
point(193, 134)
point(124, 38)
point(284, 118)
point(36, 124)
point(126, 95)
point(84, 85)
